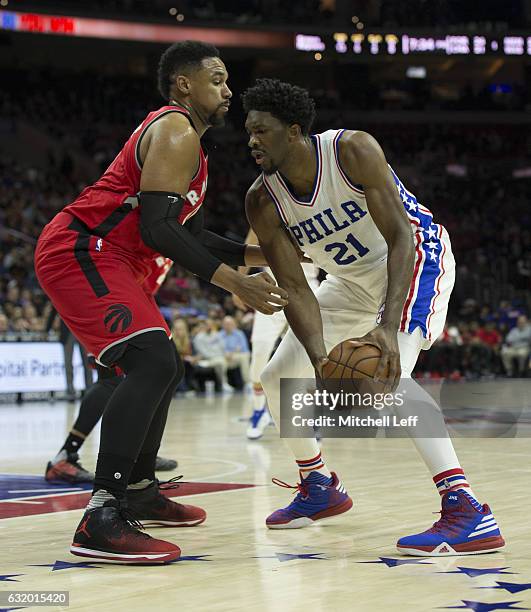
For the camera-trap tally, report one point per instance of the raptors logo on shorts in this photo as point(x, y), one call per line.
point(118, 318)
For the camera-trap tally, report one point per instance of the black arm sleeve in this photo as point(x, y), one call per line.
point(230, 252)
point(160, 230)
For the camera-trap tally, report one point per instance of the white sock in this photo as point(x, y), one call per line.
point(62, 455)
point(316, 464)
point(138, 486)
point(99, 498)
point(258, 399)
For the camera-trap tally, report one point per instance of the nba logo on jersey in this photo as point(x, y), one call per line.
point(99, 244)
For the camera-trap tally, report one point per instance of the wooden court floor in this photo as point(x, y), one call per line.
point(232, 562)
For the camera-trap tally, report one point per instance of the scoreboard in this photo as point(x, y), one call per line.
point(386, 44)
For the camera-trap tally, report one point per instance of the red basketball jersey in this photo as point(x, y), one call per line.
point(109, 207)
point(160, 266)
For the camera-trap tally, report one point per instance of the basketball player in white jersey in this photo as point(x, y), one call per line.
point(265, 334)
point(390, 274)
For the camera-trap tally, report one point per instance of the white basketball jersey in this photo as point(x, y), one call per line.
point(333, 226)
point(335, 229)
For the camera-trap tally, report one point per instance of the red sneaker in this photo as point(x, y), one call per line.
point(67, 470)
point(111, 535)
point(151, 507)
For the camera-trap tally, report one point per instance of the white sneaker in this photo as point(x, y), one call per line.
point(258, 422)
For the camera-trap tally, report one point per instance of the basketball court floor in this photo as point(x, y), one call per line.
point(232, 562)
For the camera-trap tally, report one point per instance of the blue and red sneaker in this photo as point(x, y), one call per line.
point(465, 528)
point(318, 497)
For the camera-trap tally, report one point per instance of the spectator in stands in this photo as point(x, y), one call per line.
point(507, 315)
point(490, 338)
point(516, 347)
point(444, 358)
point(68, 340)
point(208, 346)
point(12, 301)
point(236, 348)
point(198, 301)
point(181, 337)
point(4, 323)
point(489, 335)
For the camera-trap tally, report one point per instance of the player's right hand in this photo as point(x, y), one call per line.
point(260, 292)
point(318, 365)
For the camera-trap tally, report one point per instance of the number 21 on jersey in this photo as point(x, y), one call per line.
point(342, 251)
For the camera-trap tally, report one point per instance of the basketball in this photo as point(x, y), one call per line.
point(348, 361)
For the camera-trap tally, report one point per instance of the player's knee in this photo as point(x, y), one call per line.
point(151, 356)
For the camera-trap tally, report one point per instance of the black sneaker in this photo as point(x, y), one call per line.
point(111, 534)
point(165, 465)
point(151, 507)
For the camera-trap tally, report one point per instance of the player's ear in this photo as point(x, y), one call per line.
point(294, 131)
point(182, 84)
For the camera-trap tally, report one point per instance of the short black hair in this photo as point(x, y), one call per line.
point(181, 55)
point(288, 103)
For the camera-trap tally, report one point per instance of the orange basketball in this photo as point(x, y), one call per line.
point(348, 361)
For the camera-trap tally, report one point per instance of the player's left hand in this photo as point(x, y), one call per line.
point(239, 303)
point(385, 339)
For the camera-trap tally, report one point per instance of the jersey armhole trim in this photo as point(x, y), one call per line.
point(355, 187)
point(275, 202)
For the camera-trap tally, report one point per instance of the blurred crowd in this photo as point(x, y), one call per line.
point(464, 173)
point(385, 13)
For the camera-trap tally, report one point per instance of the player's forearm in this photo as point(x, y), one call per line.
point(228, 251)
point(400, 261)
point(161, 231)
point(227, 278)
point(254, 256)
point(231, 252)
point(304, 317)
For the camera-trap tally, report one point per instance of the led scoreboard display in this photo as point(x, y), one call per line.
point(408, 44)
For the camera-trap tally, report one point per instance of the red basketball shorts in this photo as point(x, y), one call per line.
point(95, 287)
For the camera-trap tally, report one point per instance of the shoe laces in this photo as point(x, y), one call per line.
point(129, 516)
point(300, 488)
point(172, 483)
point(448, 521)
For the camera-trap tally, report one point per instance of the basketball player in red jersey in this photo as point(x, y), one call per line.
point(92, 259)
